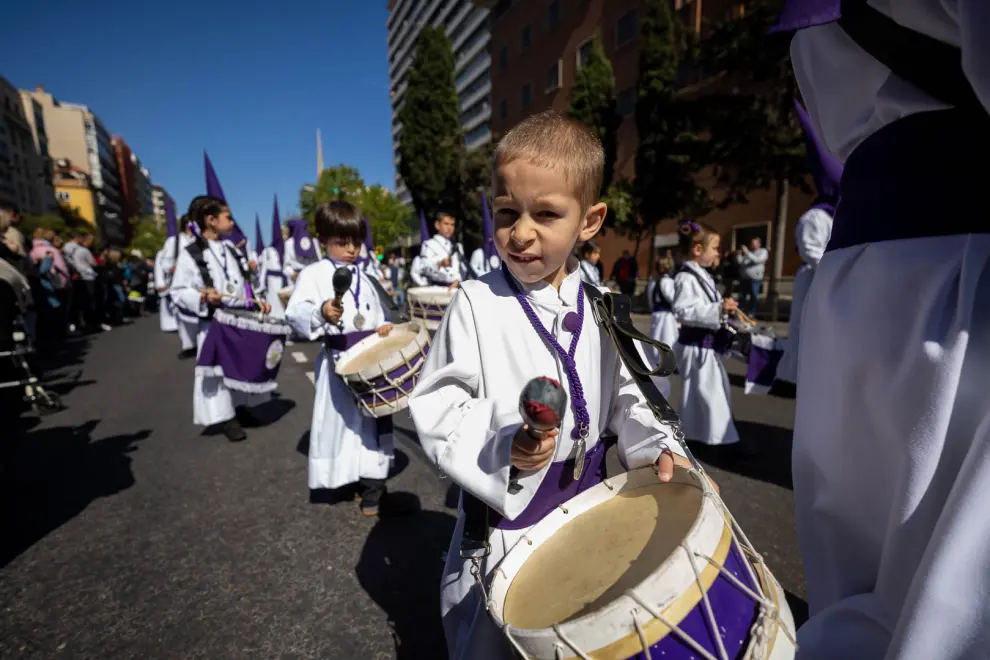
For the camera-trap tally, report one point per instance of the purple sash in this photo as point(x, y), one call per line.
point(244, 351)
point(343, 342)
point(717, 340)
point(557, 487)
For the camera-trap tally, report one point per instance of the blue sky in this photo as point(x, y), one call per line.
point(249, 82)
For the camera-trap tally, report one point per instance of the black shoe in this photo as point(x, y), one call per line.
point(246, 417)
point(187, 354)
point(390, 504)
point(233, 430)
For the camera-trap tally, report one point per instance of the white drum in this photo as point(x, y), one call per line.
point(632, 566)
point(382, 371)
point(428, 304)
point(284, 294)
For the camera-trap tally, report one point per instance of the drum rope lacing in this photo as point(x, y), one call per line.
point(378, 399)
point(759, 633)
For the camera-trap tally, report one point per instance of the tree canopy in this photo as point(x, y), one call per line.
point(593, 103)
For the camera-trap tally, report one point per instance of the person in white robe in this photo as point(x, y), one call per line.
point(485, 259)
point(416, 272)
point(162, 276)
point(488, 347)
point(346, 447)
point(660, 292)
point(482, 265)
point(590, 256)
point(300, 249)
point(705, 410)
point(891, 454)
point(165, 263)
point(443, 261)
point(213, 402)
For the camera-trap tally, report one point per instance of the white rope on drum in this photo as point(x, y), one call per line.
point(687, 639)
point(642, 635)
point(709, 612)
point(572, 645)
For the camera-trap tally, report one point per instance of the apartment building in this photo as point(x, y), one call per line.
point(25, 168)
point(159, 199)
point(468, 29)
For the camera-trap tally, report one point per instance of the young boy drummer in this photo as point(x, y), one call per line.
point(345, 446)
point(509, 326)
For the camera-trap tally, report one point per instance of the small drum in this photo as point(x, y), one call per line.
point(632, 568)
point(245, 348)
point(284, 294)
point(382, 371)
point(762, 351)
point(428, 304)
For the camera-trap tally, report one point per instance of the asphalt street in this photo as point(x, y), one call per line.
point(128, 532)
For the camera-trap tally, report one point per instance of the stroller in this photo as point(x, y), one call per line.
point(15, 369)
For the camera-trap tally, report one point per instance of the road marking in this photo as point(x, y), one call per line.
point(299, 357)
point(312, 377)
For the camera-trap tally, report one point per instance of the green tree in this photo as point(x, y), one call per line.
point(30, 223)
point(390, 219)
point(593, 104)
point(337, 182)
point(147, 236)
point(431, 148)
point(755, 141)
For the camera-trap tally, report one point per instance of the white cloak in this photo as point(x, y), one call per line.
point(343, 442)
point(892, 433)
point(705, 410)
point(163, 275)
point(481, 266)
point(291, 264)
point(416, 272)
point(466, 411)
point(273, 277)
point(590, 274)
point(812, 232)
point(664, 327)
point(166, 310)
point(213, 402)
point(436, 250)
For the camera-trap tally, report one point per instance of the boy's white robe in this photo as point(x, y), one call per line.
point(590, 274)
point(466, 411)
point(292, 264)
point(705, 410)
point(481, 266)
point(187, 331)
point(273, 277)
point(416, 272)
point(436, 250)
point(167, 319)
point(811, 234)
point(213, 402)
point(664, 326)
point(343, 442)
point(892, 433)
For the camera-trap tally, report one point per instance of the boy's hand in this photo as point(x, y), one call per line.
point(729, 305)
point(444, 263)
point(266, 308)
point(383, 330)
point(665, 467)
point(212, 297)
point(253, 265)
point(455, 285)
point(331, 312)
point(530, 452)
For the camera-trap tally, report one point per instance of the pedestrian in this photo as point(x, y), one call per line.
point(500, 332)
point(705, 410)
point(115, 289)
point(51, 282)
point(82, 264)
point(205, 268)
point(891, 456)
point(751, 262)
point(624, 273)
point(346, 447)
point(18, 244)
point(591, 257)
point(660, 292)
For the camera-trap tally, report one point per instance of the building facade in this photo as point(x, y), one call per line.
point(537, 48)
point(468, 28)
point(159, 198)
point(135, 181)
point(74, 191)
point(77, 135)
point(25, 168)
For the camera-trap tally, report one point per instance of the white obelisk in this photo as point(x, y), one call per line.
point(319, 155)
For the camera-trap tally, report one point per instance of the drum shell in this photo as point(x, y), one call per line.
point(429, 303)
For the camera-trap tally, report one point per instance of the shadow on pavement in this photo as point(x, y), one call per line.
point(57, 473)
point(400, 568)
point(799, 608)
point(764, 453)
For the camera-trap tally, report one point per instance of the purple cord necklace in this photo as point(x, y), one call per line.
point(574, 323)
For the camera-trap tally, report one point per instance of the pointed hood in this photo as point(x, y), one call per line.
point(826, 169)
point(171, 224)
point(487, 226)
point(259, 244)
point(277, 241)
point(301, 241)
point(213, 188)
point(424, 229)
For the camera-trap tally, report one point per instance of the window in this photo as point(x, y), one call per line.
point(584, 50)
point(553, 77)
point(503, 110)
point(626, 102)
point(553, 14)
point(62, 197)
point(503, 58)
point(527, 95)
point(625, 28)
point(526, 38)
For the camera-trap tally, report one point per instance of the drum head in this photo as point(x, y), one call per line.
point(377, 350)
point(595, 558)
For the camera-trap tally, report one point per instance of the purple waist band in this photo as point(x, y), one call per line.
point(557, 487)
point(346, 340)
point(717, 340)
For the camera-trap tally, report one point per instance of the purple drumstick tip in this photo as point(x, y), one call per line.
point(542, 404)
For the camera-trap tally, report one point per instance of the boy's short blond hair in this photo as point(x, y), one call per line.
point(560, 144)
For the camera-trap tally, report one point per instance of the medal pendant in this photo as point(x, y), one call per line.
point(582, 451)
point(359, 322)
point(230, 288)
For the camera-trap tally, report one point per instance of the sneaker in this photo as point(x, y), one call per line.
point(187, 354)
point(246, 417)
point(233, 430)
point(106, 328)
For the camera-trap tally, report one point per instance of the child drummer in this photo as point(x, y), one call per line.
point(508, 327)
point(345, 447)
point(211, 273)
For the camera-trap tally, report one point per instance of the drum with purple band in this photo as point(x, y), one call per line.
point(762, 351)
point(284, 294)
point(633, 568)
point(245, 348)
point(428, 304)
point(382, 371)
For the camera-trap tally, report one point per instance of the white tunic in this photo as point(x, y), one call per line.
point(213, 402)
point(166, 310)
point(706, 412)
point(273, 277)
point(590, 274)
point(466, 411)
point(293, 264)
point(664, 323)
point(481, 266)
point(812, 232)
point(187, 330)
point(416, 272)
point(436, 250)
point(892, 433)
point(343, 442)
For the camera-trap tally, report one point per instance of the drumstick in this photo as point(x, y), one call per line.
point(744, 317)
point(341, 283)
point(233, 297)
point(542, 404)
